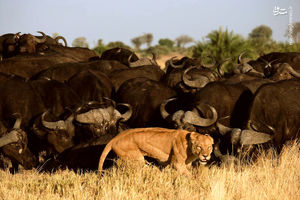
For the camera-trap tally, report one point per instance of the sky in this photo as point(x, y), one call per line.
point(122, 20)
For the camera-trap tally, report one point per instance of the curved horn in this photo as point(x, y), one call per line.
point(198, 83)
point(43, 40)
point(175, 66)
point(210, 65)
point(52, 125)
point(193, 117)
point(17, 124)
point(16, 36)
point(245, 60)
point(163, 111)
point(219, 68)
point(129, 58)
point(240, 57)
point(126, 116)
point(249, 137)
point(254, 71)
point(268, 64)
point(9, 138)
point(293, 71)
point(61, 38)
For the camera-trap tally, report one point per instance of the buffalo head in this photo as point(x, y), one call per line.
point(98, 120)
point(14, 145)
point(28, 43)
point(188, 120)
point(59, 134)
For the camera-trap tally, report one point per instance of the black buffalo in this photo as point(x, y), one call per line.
point(145, 96)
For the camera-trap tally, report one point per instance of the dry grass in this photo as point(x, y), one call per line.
point(267, 179)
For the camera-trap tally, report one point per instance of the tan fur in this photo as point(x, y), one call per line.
point(168, 146)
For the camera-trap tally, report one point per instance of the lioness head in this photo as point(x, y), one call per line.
point(201, 146)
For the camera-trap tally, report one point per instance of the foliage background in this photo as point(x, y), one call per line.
point(220, 44)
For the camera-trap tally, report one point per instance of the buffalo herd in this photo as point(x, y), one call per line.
point(60, 106)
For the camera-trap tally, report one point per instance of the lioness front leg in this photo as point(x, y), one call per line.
point(182, 168)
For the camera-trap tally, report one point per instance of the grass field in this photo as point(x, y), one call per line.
point(267, 179)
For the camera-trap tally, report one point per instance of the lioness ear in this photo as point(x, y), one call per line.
point(193, 136)
point(211, 138)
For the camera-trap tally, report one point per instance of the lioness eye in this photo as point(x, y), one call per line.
point(209, 148)
point(199, 148)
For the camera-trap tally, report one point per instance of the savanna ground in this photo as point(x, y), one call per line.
point(267, 179)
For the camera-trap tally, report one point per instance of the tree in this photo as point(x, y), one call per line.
point(80, 42)
point(166, 42)
point(100, 48)
point(183, 40)
point(117, 44)
point(222, 45)
point(137, 42)
point(262, 33)
point(148, 38)
point(261, 39)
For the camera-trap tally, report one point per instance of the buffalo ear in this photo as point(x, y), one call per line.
point(249, 137)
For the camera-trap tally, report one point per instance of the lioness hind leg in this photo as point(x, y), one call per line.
point(133, 158)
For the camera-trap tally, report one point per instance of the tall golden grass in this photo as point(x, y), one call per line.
point(269, 178)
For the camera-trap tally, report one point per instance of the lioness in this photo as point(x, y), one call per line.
point(167, 146)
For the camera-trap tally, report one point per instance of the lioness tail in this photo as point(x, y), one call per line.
point(103, 156)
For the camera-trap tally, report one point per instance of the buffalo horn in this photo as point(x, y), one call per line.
point(43, 40)
point(175, 66)
point(249, 137)
point(193, 117)
point(17, 36)
point(254, 71)
point(219, 68)
point(129, 58)
point(53, 125)
point(126, 116)
point(245, 60)
point(292, 71)
point(61, 38)
point(198, 83)
point(268, 64)
point(18, 121)
point(213, 64)
point(11, 137)
point(163, 111)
